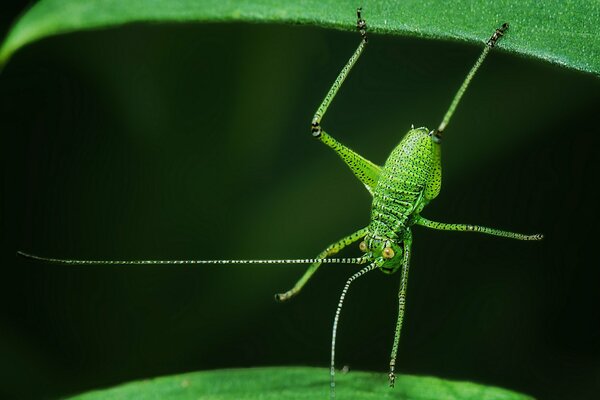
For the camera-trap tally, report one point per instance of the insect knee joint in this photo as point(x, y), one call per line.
point(315, 129)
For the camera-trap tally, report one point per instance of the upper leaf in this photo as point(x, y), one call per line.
point(558, 31)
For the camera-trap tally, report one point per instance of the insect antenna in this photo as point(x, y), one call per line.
point(489, 45)
point(360, 273)
point(351, 260)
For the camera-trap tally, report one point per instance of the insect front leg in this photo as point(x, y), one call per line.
point(329, 251)
point(363, 169)
point(474, 228)
point(401, 304)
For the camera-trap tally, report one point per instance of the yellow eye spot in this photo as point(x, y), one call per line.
point(363, 246)
point(388, 253)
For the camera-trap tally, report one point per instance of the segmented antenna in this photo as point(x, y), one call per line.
point(355, 260)
point(360, 273)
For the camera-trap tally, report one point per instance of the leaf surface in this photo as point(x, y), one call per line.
point(281, 383)
point(563, 32)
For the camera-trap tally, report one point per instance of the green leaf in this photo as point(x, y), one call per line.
point(297, 383)
point(561, 32)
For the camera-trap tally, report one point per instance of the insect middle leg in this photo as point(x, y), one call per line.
point(474, 228)
point(329, 251)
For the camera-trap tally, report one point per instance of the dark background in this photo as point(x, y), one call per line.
point(164, 141)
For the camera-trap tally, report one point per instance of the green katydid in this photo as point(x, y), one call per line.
point(410, 178)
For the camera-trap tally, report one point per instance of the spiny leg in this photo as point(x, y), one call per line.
point(330, 250)
point(316, 122)
point(437, 133)
point(357, 275)
point(365, 170)
point(475, 228)
point(401, 303)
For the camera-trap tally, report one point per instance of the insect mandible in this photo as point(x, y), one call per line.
point(410, 178)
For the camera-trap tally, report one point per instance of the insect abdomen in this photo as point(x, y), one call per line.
point(405, 179)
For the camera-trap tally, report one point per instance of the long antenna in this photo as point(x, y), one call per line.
point(355, 260)
point(360, 273)
point(489, 45)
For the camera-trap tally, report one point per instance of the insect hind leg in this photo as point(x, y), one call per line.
point(363, 169)
point(361, 26)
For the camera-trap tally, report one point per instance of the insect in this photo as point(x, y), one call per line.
point(401, 188)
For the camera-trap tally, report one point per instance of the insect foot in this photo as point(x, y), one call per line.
point(497, 35)
point(392, 375)
point(281, 297)
point(361, 24)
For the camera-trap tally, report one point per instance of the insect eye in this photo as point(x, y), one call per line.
point(388, 253)
point(363, 246)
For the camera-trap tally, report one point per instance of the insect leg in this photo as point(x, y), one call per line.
point(316, 121)
point(330, 250)
point(474, 228)
point(365, 170)
point(489, 45)
point(401, 303)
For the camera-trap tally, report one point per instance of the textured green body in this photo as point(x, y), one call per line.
point(409, 179)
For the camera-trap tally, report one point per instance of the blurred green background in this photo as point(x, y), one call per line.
point(192, 141)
